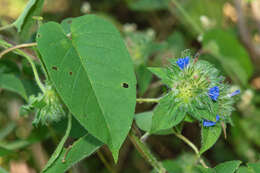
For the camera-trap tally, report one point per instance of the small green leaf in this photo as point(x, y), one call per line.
point(59, 148)
point(167, 114)
point(144, 120)
point(21, 19)
point(209, 136)
point(80, 149)
point(12, 83)
point(149, 5)
point(228, 167)
point(94, 75)
point(25, 21)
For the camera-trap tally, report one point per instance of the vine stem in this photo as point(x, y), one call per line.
point(17, 47)
point(29, 59)
point(143, 149)
point(147, 100)
point(105, 162)
point(195, 149)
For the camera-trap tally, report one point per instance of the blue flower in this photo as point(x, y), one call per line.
point(234, 93)
point(214, 93)
point(207, 123)
point(183, 62)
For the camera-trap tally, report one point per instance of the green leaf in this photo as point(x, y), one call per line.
point(149, 5)
point(254, 166)
point(144, 122)
point(225, 47)
point(228, 167)
point(21, 19)
point(80, 149)
point(59, 148)
point(25, 21)
point(12, 83)
point(93, 73)
point(167, 114)
point(209, 136)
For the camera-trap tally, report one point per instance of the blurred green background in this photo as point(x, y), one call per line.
point(226, 33)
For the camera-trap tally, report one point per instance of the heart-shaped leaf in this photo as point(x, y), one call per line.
point(94, 75)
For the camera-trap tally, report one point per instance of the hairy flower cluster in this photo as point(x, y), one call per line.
point(198, 88)
point(47, 106)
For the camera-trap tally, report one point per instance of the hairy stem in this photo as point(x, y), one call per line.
point(147, 100)
point(195, 149)
point(143, 149)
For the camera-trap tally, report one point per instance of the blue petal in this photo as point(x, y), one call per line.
point(217, 118)
point(234, 93)
point(183, 62)
point(207, 123)
point(214, 93)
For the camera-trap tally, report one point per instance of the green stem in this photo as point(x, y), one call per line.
point(143, 149)
point(105, 162)
point(188, 142)
point(36, 75)
point(195, 149)
point(147, 100)
point(196, 27)
point(29, 59)
point(6, 27)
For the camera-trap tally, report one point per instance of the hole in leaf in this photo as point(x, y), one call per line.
point(54, 68)
point(70, 72)
point(125, 85)
point(38, 35)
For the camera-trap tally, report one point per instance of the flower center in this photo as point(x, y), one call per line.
point(185, 93)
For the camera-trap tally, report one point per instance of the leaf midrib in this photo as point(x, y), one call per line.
point(91, 83)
